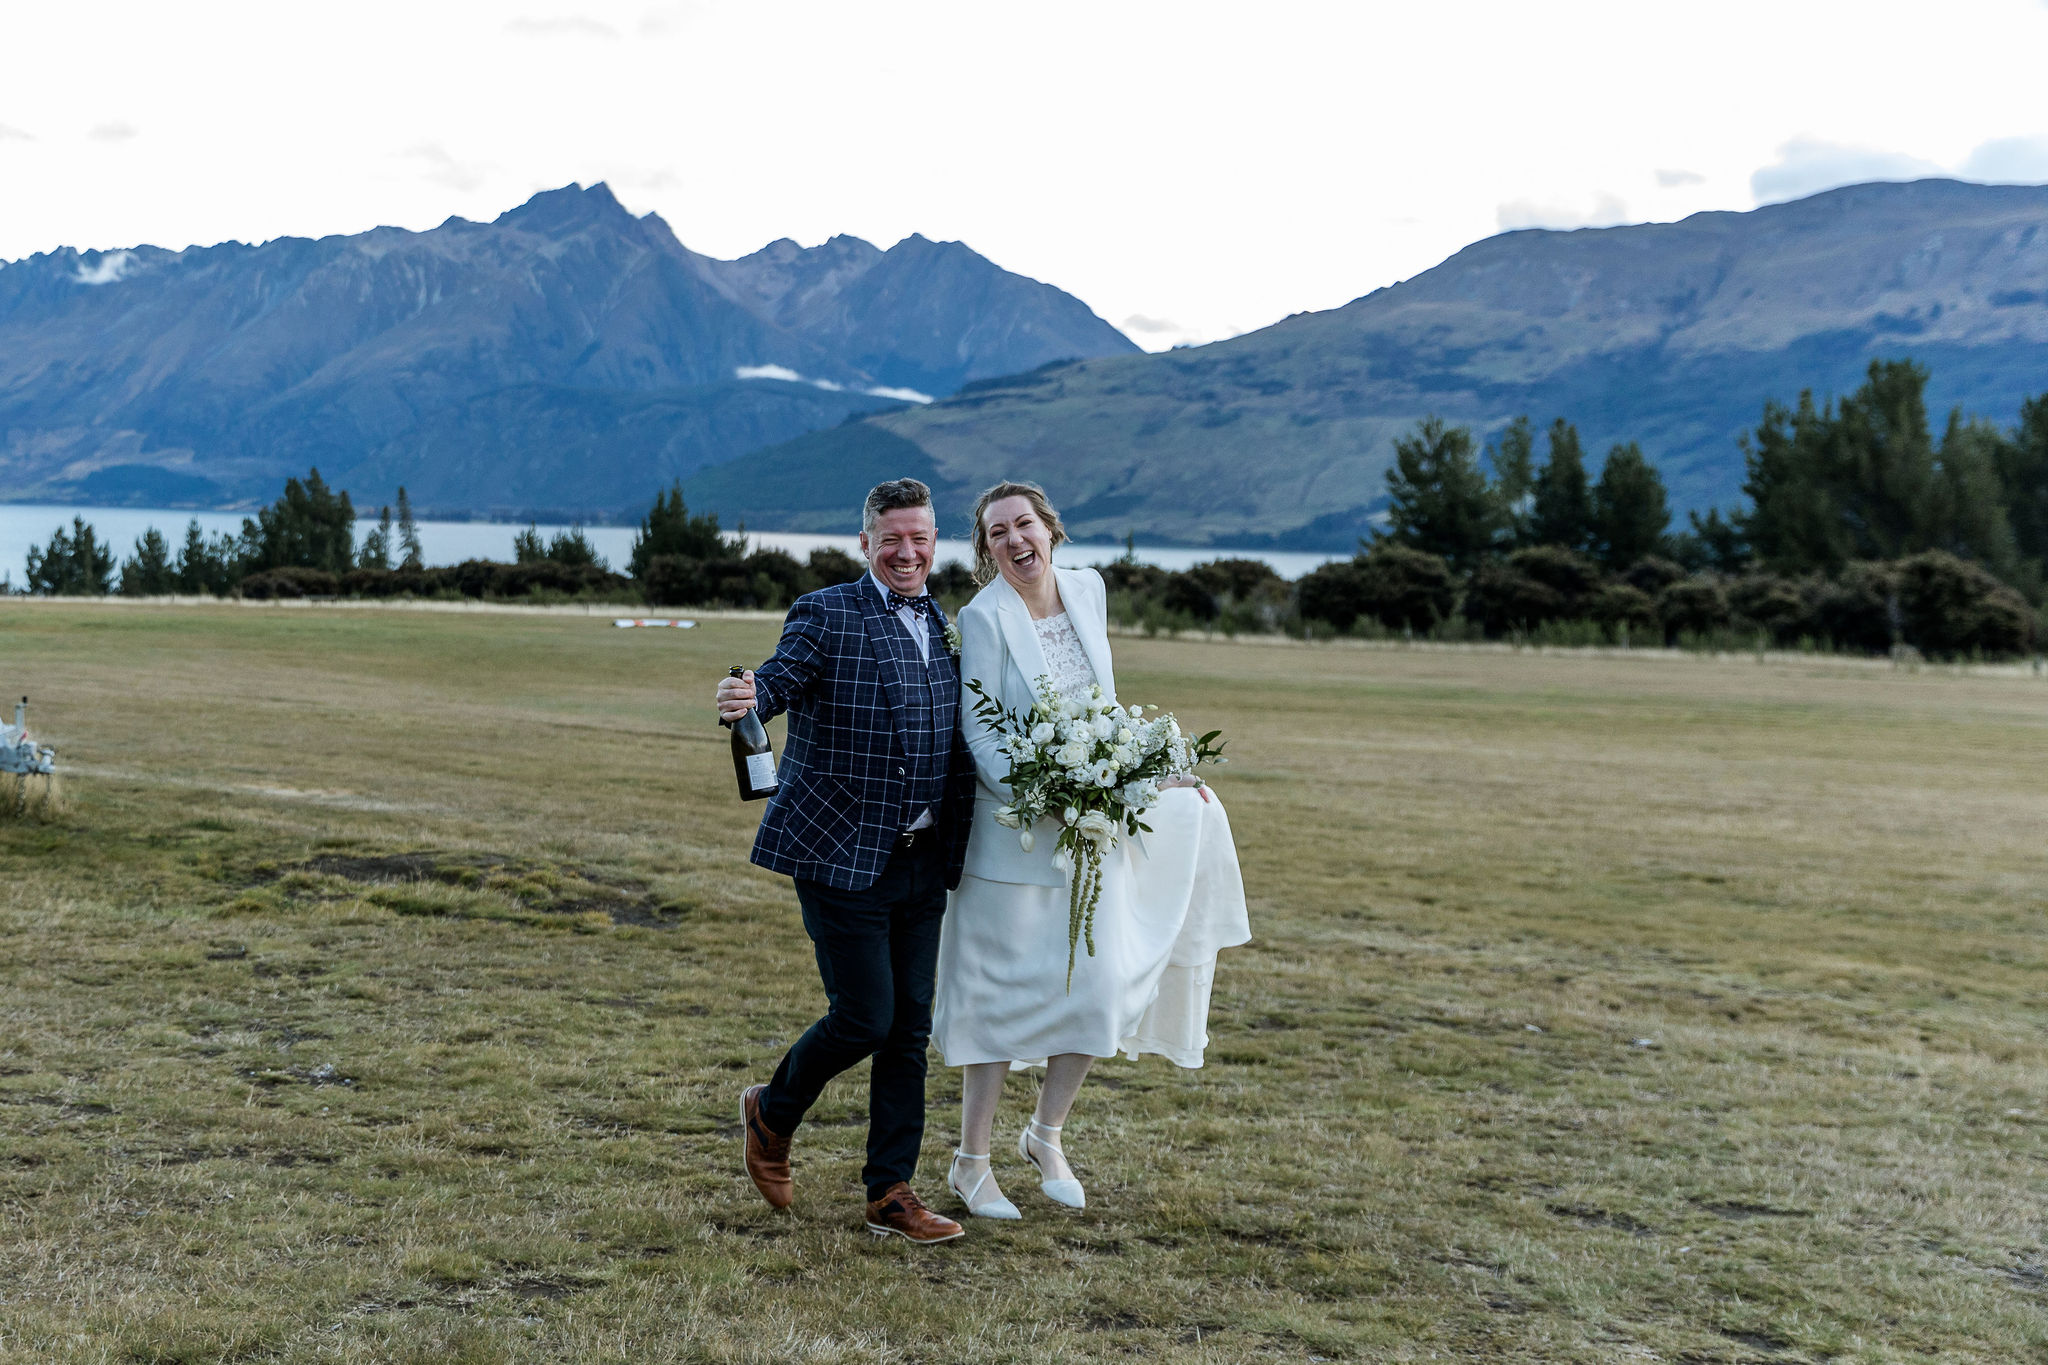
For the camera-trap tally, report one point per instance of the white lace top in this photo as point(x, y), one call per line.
point(1064, 657)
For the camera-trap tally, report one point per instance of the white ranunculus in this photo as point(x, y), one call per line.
point(1096, 827)
point(1008, 817)
point(1103, 727)
point(1025, 838)
point(1072, 755)
point(1044, 733)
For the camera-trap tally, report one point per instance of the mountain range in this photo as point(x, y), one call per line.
point(567, 359)
point(1671, 335)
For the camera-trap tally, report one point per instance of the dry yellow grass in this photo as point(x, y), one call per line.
point(386, 988)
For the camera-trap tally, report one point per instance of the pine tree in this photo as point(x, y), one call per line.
point(574, 550)
point(409, 535)
point(148, 572)
point(669, 529)
point(1440, 502)
point(376, 551)
point(1630, 511)
point(2023, 470)
point(211, 566)
point(1562, 512)
point(74, 565)
point(1514, 478)
point(311, 527)
point(526, 546)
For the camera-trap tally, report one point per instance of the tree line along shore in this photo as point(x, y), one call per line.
point(1860, 532)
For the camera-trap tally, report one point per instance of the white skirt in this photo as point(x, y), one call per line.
point(1166, 908)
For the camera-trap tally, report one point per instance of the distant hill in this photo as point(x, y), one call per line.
point(1667, 334)
point(568, 357)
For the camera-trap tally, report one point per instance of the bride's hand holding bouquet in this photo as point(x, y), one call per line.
point(1096, 768)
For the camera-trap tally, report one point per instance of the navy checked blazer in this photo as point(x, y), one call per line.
point(838, 672)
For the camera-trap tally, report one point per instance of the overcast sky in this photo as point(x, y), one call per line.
point(1191, 170)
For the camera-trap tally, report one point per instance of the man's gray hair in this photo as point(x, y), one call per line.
point(887, 497)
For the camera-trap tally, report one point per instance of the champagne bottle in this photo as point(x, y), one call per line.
point(753, 760)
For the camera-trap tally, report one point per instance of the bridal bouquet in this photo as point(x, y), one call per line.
point(1094, 766)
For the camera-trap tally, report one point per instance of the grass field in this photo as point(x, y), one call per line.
point(385, 991)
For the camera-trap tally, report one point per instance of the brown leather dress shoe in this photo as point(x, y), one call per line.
point(901, 1212)
point(767, 1155)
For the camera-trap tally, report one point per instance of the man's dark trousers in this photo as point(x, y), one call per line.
point(877, 950)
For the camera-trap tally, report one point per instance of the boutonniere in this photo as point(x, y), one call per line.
point(952, 639)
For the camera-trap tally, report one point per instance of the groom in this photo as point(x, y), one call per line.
point(871, 822)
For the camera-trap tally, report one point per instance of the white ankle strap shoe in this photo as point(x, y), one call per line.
point(995, 1206)
point(1067, 1192)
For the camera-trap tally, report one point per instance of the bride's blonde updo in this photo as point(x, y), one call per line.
point(984, 560)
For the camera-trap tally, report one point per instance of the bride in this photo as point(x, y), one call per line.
point(1167, 905)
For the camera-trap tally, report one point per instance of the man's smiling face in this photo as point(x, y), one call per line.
point(899, 548)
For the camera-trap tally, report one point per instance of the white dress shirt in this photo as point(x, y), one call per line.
point(919, 626)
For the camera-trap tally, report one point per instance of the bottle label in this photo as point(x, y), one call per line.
point(761, 771)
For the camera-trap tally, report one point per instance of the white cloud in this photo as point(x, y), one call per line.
point(1604, 210)
point(560, 26)
point(1808, 165)
point(906, 395)
point(106, 270)
point(2008, 161)
point(1161, 334)
point(116, 131)
point(660, 23)
point(789, 376)
point(1672, 179)
point(440, 168)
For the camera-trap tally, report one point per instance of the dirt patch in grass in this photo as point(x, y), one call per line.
point(539, 886)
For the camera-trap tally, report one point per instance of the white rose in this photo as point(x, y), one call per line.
point(1125, 735)
point(1072, 756)
point(1103, 727)
point(1043, 733)
point(1025, 839)
point(1096, 827)
point(1123, 757)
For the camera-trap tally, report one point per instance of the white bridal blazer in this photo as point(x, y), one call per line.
point(999, 646)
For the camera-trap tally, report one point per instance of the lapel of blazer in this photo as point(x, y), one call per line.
point(1079, 595)
point(879, 621)
point(1022, 638)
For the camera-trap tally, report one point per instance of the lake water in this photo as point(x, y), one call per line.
point(451, 542)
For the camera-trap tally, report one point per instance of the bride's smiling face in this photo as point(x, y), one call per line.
point(1019, 542)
